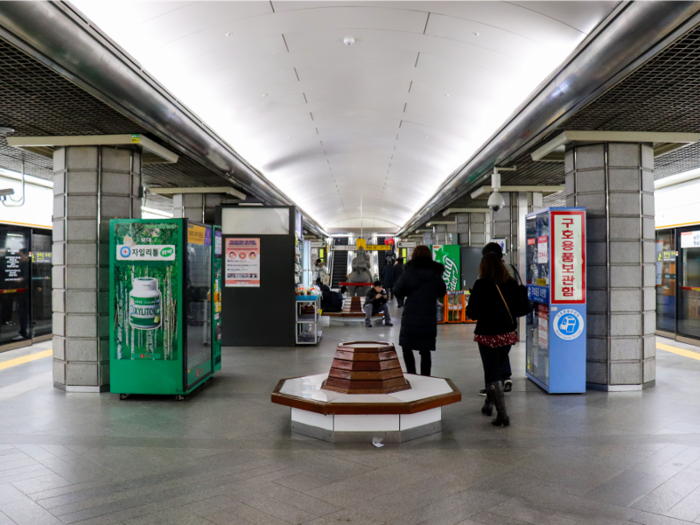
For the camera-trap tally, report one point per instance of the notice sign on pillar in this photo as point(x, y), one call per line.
point(568, 257)
point(243, 263)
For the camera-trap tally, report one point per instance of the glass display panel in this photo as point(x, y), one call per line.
point(15, 282)
point(666, 281)
point(537, 333)
point(146, 291)
point(198, 296)
point(41, 284)
point(689, 304)
point(255, 220)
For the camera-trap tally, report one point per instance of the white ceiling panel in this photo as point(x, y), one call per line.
point(382, 122)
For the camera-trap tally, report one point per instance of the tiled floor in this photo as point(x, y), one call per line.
point(226, 455)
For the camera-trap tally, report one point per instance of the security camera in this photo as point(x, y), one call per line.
point(5, 192)
point(496, 201)
point(348, 40)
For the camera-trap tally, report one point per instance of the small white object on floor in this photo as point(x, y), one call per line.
point(377, 442)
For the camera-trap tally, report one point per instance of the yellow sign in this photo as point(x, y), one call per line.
point(195, 234)
point(362, 243)
point(135, 139)
point(41, 257)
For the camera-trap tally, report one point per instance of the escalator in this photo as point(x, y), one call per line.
point(340, 263)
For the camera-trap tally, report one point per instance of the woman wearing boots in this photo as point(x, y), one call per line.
point(493, 299)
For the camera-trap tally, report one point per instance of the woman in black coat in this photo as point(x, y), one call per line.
point(492, 302)
point(387, 276)
point(421, 285)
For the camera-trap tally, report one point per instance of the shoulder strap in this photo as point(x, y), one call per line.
point(504, 302)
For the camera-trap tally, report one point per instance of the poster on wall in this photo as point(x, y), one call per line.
point(243, 263)
point(542, 253)
point(690, 239)
point(449, 256)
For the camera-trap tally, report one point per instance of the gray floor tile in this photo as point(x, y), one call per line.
point(227, 456)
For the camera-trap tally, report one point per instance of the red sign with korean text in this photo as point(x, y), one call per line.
point(568, 237)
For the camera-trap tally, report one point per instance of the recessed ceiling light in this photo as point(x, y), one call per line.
point(476, 34)
point(447, 94)
point(264, 95)
point(229, 34)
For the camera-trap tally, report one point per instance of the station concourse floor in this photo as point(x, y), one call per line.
point(226, 454)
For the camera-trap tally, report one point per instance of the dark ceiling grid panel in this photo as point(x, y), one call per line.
point(661, 95)
point(36, 101)
point(678, 161)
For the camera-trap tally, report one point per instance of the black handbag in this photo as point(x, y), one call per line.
point(524, 305)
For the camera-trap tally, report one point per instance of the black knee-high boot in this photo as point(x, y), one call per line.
point(499, 400)
point(487, 409)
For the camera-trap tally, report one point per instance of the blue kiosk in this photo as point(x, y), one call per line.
point(556, 281)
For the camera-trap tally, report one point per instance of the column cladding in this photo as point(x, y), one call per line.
point(474, 229)
point(504, 224)
point(198, 207)
point(92, 184)
point(615, 183)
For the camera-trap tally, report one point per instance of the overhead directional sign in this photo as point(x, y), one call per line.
point(368, 248)
point(407, 244)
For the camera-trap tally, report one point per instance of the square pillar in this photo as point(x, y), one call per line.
point(198, 207)
point(92, 184)
point(615, 183)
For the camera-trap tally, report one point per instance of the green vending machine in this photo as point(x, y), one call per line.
point(165, 305)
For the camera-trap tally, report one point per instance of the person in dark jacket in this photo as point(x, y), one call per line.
point(494, 297)
point(506, 372)
point(387, 276)
point(398, 271)
point(421, 285)
point(375, 302)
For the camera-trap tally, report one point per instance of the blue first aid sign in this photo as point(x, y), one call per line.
point(568, 324)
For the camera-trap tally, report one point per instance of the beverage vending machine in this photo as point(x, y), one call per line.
point(165, 305)
point(556, 281)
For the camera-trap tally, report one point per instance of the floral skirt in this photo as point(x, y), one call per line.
point(496, 341)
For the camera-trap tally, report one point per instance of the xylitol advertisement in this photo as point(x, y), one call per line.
point(449, 256)
point(146, 290)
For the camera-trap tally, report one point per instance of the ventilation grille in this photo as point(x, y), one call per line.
point(36, 101)
point(662, 95)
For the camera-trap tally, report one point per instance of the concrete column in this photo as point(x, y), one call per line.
point(197, 207)
point(615, 183)
point(504, 224)
point(474, 229)
point(439, 231)
point(92, 184)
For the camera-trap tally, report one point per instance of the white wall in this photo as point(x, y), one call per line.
point(38, 203)
point(678, 205)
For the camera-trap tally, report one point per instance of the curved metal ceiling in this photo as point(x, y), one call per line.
point(383, 121)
